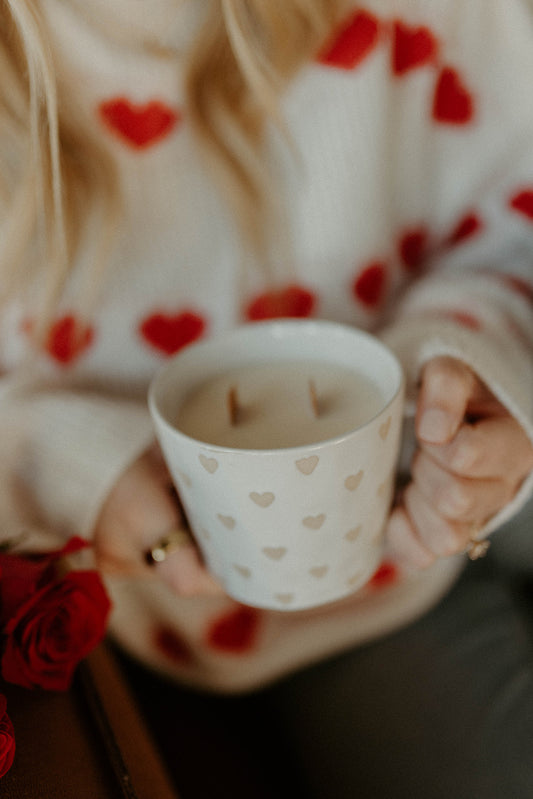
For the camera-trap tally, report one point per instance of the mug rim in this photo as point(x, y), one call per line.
point(277, 329)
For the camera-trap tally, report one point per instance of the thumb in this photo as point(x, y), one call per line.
point(447, 386)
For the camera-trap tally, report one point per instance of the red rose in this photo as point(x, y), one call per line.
point(53, 630)
point(21, 576)
point(7, 738)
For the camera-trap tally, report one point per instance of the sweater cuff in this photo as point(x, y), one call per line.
point(75, 447)
point(498, 359)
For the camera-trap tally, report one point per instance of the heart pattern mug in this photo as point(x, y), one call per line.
point(287, 506)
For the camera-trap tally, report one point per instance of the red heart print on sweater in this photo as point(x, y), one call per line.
point(168, 333)
point(522, 202)
point(369, 286)
point(352, 42)
point(413, 247)
point(291, 301)
point(467, 227)
point(412, 48)
point(453, 103)
point(139, 126)
point(385, 576)
point(234, 632)
point(68, 339)
point(172, 646)
point(520, 285)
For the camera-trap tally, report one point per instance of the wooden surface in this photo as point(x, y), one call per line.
point(87, 743)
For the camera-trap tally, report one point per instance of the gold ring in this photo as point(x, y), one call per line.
point(172, 541)
point(477, 548)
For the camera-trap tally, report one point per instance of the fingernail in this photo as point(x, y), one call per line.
point(436, 426)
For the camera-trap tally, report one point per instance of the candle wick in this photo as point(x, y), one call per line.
point(234, 409)
point(314, 399)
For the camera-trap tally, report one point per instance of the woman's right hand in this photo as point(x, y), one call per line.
point(141, 509)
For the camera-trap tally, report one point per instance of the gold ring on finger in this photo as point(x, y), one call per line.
point(173, 540)
point(476, 548)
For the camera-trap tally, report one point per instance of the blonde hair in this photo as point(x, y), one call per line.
point(243, 57)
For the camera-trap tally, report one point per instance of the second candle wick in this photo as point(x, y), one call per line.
point(313, 397)
point(234, 409)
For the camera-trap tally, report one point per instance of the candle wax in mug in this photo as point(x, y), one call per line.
point(275, 405)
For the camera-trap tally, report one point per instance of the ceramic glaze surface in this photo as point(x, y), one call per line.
point(288, 527)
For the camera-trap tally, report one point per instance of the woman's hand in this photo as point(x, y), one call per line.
point(471, 460)
point(140, 510)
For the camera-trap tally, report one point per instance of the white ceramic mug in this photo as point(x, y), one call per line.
point(290, 527)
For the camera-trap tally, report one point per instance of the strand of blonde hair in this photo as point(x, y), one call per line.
point(44, 156)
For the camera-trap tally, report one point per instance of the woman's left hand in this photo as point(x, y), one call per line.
point(472, 457)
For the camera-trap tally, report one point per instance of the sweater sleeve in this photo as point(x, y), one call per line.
point(474, 298)
point(64, 448)
point(475, 304)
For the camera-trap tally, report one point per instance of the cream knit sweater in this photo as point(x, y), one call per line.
point(408, 212)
